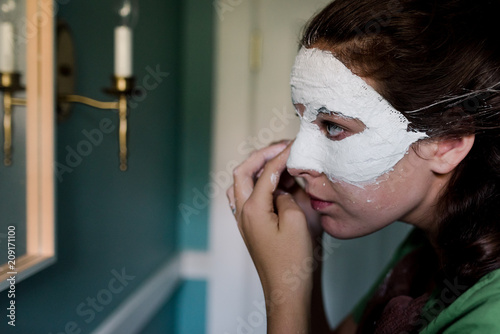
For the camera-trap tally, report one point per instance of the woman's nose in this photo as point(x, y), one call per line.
point(303, 172)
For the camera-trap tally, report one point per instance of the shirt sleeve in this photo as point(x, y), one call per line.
point(483, 319)
point(476, 311)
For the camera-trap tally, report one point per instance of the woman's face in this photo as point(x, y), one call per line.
point(407, 193)
point(355, 160)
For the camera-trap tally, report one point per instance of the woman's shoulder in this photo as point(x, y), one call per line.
point(474, 310)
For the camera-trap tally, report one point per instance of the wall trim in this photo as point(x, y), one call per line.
point(195, 265)
point(154, 293)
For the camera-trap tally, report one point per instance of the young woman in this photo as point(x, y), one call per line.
point(400, 121)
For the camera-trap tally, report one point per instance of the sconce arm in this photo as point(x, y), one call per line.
point(89, 101)
point(121, 88)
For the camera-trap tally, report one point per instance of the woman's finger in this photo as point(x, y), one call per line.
point(245, 173)
point(268, 181)
point(289, 212)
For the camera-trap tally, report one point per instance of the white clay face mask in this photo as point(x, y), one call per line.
point(321, 82)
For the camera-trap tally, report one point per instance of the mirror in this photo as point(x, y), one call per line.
point(27, 185)
point(13, 168)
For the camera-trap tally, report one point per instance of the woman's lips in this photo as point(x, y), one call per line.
point(318, 204)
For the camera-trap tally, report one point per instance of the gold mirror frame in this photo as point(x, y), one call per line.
point(40, 157)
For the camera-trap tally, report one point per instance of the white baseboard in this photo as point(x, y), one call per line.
point(139, 308)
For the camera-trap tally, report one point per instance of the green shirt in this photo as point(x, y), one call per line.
point(476, 310)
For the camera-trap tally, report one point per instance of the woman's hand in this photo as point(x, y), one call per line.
point(275, 231)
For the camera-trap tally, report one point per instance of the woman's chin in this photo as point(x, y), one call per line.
point(342, 230)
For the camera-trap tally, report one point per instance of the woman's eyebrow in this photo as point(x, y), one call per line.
point(324, 110)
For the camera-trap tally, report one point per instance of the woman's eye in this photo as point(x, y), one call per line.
point(333, 130)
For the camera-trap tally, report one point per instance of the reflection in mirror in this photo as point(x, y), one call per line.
point(27, 136)
point(13, 129)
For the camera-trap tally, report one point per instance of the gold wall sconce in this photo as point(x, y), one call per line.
point(122, 82)
point(9, 84)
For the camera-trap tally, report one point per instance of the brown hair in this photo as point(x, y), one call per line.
point(438, 62)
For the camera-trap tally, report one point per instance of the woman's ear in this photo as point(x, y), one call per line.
point(448, 153)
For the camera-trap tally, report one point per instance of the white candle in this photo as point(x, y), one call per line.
point(123, 51)
point(7, 47)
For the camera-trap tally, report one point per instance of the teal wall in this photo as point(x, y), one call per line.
point(110, 223)
point(188, 306)
point(196, 98)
